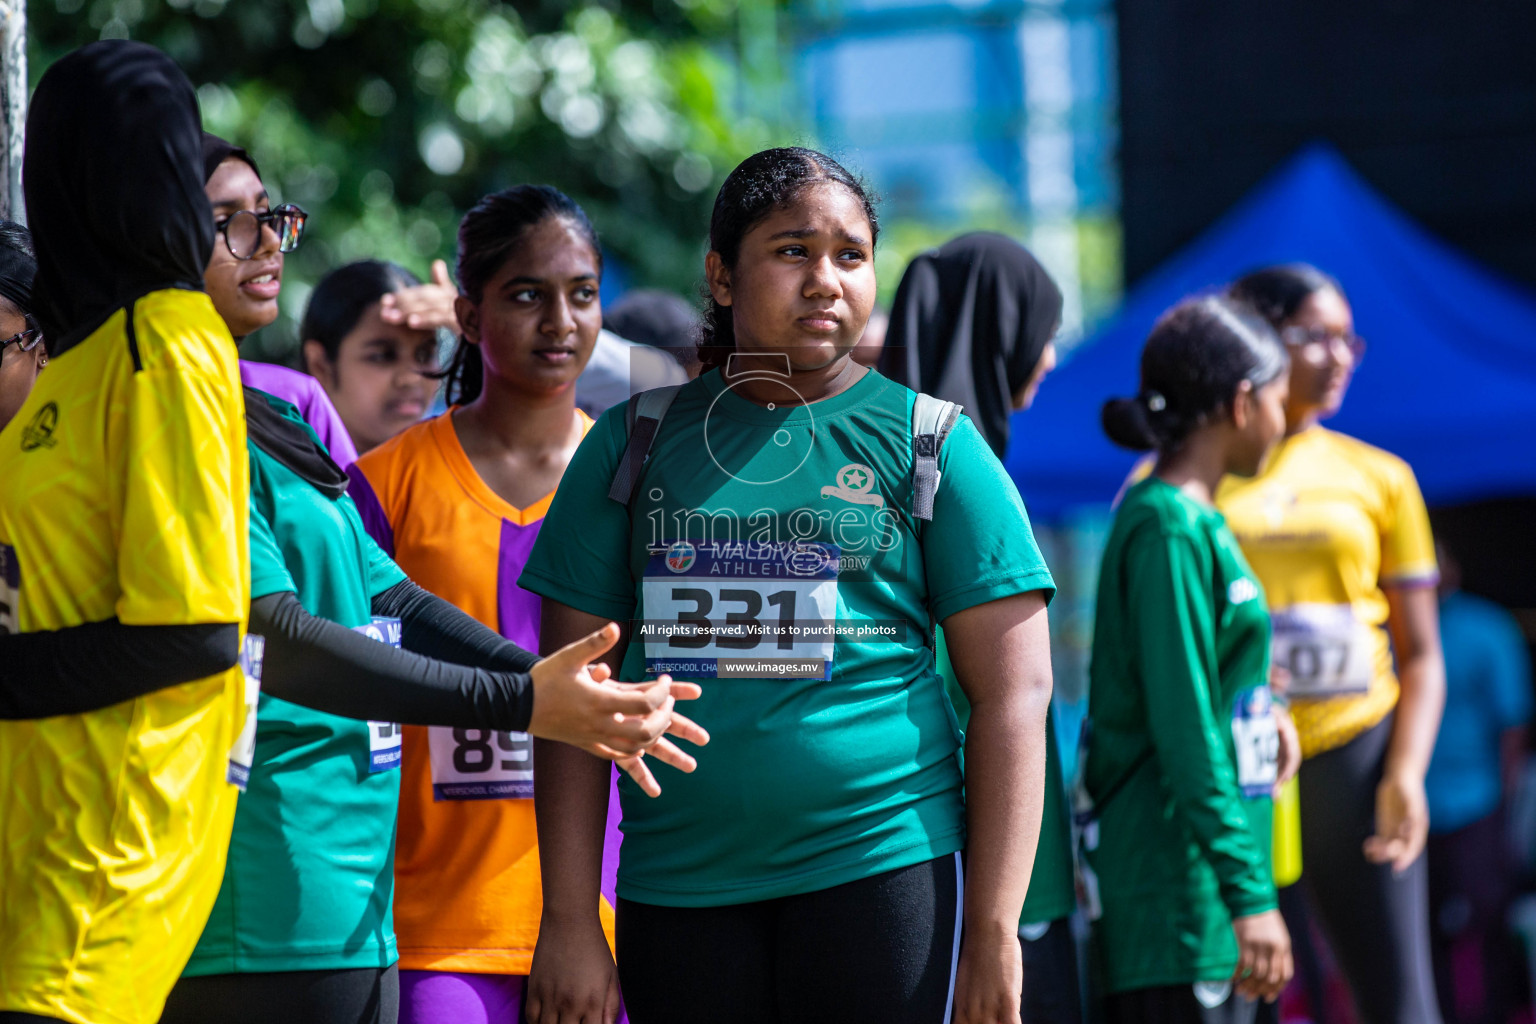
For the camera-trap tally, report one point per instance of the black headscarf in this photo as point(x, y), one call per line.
point(113, 179)
point(293, 446)
point(18, 266)
point(970, 322)
point(217, 150)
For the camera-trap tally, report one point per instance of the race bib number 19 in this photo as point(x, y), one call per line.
point(743, 611)
point(383, 737)
point(1257, 739)
point(243, 753)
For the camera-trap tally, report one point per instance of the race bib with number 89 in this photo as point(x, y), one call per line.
point(480, 764)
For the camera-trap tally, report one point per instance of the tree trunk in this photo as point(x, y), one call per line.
point(13, 105)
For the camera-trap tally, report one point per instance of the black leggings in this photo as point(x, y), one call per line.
point(1377, 924)
point(1052, 990)
point(367, 995)
point(880, 949)
point(1175, 1004)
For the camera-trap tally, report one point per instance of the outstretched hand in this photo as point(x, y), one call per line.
point(578, 703)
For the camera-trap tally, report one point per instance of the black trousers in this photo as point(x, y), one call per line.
point(1176, 1004)
point(1376, 923)
point(1052, 989)
point(369, 995)
point(880, 950)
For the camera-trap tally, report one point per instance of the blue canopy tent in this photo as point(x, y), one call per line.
point(1448, 382)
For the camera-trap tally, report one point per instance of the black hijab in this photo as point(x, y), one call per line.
point(217, 150)
point(114, 187)
point(969, 325)
point(293, 446)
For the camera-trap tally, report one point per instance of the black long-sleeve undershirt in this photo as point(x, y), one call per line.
point(92, 666)
point(433, 627)
point(454, 671)
point(328, 667)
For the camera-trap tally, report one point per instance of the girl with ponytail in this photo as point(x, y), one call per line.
point(458, 501)
point(1185, 746)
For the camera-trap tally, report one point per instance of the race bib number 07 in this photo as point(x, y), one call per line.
point(742, 611)
point(1324, 649)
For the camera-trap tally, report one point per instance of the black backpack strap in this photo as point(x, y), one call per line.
point(932, 420)
point(642, 419)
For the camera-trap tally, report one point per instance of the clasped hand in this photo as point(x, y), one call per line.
point(579, 703)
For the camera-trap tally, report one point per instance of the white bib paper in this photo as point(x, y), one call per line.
point(1257, 739)
point(478, 764)
point(10, 590)
point(243, 754)
point(384, 738)
point(1324, 648)
point(745, 611)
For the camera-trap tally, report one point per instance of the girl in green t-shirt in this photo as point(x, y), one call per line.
point(771, 547)
point(1185, 746)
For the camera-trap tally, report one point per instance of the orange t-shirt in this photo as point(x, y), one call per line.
point(467, 889)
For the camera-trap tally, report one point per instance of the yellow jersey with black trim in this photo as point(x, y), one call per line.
point(123, 491)
point(1327, 526)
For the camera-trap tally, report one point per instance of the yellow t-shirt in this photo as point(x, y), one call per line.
point(1328, 524)
point(123, 491)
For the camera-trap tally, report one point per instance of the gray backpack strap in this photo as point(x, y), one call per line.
point(641, 421)
point(932, 420)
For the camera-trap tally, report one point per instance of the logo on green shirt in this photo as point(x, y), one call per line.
point(854, 482)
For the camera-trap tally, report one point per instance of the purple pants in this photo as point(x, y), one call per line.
point(449, 997)
point(452, 997)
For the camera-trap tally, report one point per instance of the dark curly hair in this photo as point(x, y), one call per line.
point(761, 184)
point(1195, 358)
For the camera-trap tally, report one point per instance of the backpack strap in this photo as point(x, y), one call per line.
point(932, 420)
point(642, 419)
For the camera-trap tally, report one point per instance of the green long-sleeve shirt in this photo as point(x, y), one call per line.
point(1180, 660)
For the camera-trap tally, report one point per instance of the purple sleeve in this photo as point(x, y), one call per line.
point(305, 394)
point(367, 502)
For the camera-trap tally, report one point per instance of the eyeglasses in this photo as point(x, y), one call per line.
point(26, 341)
point(242, 230)
point(1313, 343)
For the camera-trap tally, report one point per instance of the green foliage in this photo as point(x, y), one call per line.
point(386, 119)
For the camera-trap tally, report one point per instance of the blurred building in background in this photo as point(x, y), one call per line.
point(996, 114)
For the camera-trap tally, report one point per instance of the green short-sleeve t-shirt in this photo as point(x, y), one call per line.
point(772, 554)
point(310, 877)
point(1180, 670)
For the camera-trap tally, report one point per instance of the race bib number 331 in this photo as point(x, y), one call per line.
point(743, 611)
